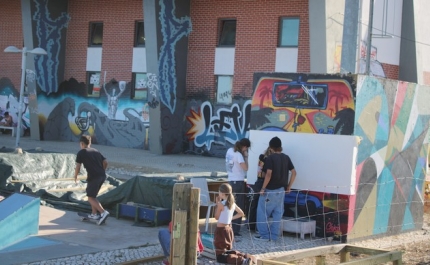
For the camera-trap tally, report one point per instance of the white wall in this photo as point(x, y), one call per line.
point(324, 163)
point(224, 61)
point(286, 60)
point(139, 60)
point(94, 59)
point(422, 29)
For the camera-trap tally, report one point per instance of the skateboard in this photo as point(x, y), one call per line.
point(84, 218)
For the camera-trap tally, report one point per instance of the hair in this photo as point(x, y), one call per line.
point(277, 149)
point(239, 144)
point(268, 152)
point(6, 113)
point(86, 139)
point(227, 190)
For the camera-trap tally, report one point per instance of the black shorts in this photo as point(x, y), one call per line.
point(93, 186)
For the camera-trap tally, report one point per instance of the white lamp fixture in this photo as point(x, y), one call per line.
point(24, 51)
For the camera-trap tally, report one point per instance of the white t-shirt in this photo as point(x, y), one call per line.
point(226, 214)
point(232, 165)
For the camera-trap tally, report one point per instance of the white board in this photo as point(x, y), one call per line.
point(324, 163)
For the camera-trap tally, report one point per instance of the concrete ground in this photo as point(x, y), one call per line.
point(62, 234)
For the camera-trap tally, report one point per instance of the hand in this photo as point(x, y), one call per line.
point(217, 199)
point(288, 190)
point(262, 191)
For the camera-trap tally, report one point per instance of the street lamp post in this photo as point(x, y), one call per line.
point(24, 51)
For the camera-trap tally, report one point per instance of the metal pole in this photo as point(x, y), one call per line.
point(369, 37)
point(21, 93)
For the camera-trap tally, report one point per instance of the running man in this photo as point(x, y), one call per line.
point(95, 164)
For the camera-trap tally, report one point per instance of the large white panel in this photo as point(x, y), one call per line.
point(286, 60)
point(224, 61)
point(94, 59)
point(139, 60)
point(324, 163)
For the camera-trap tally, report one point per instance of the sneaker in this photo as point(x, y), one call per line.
point(246, 261)
point(94, 216)
point(261, 238)
point(103, 217)
point(165, 262)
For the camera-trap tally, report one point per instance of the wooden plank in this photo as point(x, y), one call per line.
point(378, 259)
point(364, 250)
point(272, 262)
point(193, 226)
point(179, 237)
point(142, 261)
point(180, 201)
point(344, 255)
point(307, 253)
point(81, 177)
point(320, 260)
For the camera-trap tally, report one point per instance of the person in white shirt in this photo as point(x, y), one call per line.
point(223, 236)
point(236, 161)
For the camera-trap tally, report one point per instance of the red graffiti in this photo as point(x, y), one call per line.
point(330, 227)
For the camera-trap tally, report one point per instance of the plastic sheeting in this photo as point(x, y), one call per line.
point(50, 177)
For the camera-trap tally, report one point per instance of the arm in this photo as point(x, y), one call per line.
point(239, 213)
point(244, 165)
point(293, 177)
point(267, 178)
point(219, 208)
point(105, 164)
point(77, 170)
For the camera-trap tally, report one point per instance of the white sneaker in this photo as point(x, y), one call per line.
point(103, 217)
point(94, 216)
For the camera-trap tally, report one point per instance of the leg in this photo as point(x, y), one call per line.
point(278, 210)
point(262, 217)
point(164, 238)
point(238, 188)
point(252, 213)
point(93, 188)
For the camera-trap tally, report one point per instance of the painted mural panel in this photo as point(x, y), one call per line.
point(113, 119)
point(392, 121)
point(306, 103)
point(211, 129)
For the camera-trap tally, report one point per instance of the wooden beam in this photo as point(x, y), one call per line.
point(307, 253)
point(179, 237)
point(379, 259)
point(193, 226)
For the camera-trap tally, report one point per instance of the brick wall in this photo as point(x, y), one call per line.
point(391, 71)
point(257, 26)
point(118, 19)
point(11, 35)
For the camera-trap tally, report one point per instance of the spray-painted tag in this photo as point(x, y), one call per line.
point(177, 231)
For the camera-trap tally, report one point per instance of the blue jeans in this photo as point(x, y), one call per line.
point(164, 238)
point(238, 188)
point(270, 204)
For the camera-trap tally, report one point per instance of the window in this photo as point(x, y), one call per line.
point(139, 35)
point(224, 89)
point(93, 84)
point(139, 89)
point(96, 34)
point(289, 32)
point(227, 36)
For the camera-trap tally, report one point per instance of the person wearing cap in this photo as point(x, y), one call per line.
point(276, 184)
point(236, 161)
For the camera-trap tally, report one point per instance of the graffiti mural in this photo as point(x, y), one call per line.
point(69, 115)
point(172, 30)
point(9, 101)
point(50, 36)
point(152, 85)
point(222, 126)
point(303, 103)
point(392, 119)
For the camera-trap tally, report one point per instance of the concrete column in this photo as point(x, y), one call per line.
point(317, 36)
point(408, 51)
point(166, 52)
point(349, 40)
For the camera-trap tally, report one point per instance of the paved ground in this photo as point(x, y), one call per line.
point(62, 234)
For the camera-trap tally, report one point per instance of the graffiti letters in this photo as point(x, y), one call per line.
point(227, 125)
point(172, 30)
point(49, 35)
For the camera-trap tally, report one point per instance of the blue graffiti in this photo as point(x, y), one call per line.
point(228, 125)
point(172, 30)
point(48, 32)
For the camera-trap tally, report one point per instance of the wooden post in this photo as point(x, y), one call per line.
point(344, 256)
point(179, 237)
point(180, 202)
point(193, 226)
point(320, 260)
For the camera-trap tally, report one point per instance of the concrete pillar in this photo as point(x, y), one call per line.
point(408, 50)
point(166, 52)
point(349, 40)
point(317, 36)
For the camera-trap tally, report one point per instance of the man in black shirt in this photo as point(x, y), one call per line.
point(95, 164)
point(272, 194)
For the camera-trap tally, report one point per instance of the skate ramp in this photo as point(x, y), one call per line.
point(19, 218)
